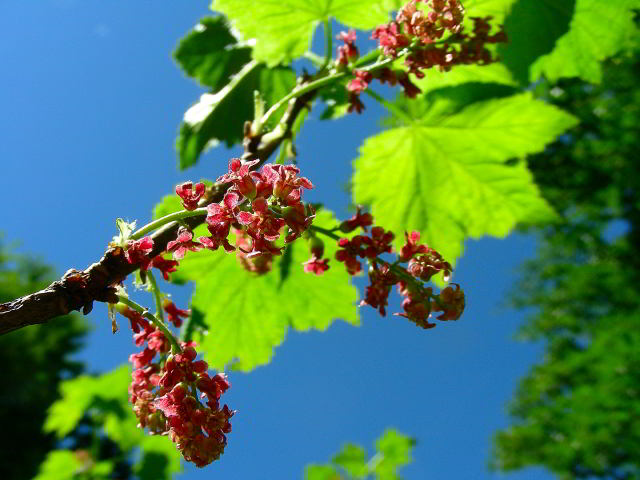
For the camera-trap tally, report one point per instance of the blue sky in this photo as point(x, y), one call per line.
point(91, 102)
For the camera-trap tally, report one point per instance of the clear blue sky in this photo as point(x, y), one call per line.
point(90, 104)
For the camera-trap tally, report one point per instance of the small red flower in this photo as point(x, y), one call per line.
point(411, 246)
point(348, 254)
point(451, 303)
point(263, 223)
point(362, 220)
point(137, 252)
point(181, 245)
point(240, 175)
point(381, 279)
point(189, 195)
point(360, 82)
point(316, 265)
point(174, 314)
point(164, 265)
point(355, 103)
point(348, 51)
point(286, 182)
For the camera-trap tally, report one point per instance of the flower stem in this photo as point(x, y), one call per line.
point(324, 231)
point(327, 44)
point(326, 79)
point(156, 295)
point(172, 217)
point(175, 346)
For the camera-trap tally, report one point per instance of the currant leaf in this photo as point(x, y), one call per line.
point(446, 174)
point(394, 449)
point(247, 315)
point(220, 116)
point(493, 73)
point(353, 459)
point(283, 29)
point(210, 53)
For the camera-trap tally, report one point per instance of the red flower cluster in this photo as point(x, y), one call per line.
point(445, 15)
point(163, 394)
point(275, 194)
point(274, 201)
point(428, 261)
point(423, 263)
point(363, 246)
point(137, 253)
point(420, 29)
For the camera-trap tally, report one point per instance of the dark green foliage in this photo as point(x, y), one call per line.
point(34, 360)
point(578, 412)
point(211, 54)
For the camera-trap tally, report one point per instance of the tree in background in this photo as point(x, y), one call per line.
point(578, 412)
point(34, 362)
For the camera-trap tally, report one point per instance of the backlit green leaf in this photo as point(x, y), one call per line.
point(283, 28)
point(353, 459)
point(59, 465)
point(446, 176)
point(395, 450)
point(321, 472)
point(248, 315)
point(493, 73)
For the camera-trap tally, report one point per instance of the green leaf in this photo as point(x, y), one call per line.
point(566, 38)
point(59, 465)
point(443, 102)
point(248, 315)
point(493, 73)
point(353, 459)
point(219, 117)
point(321, 472)
point(78, 394)
point(211, 54)
point(395, 450)
point(283, 28)
point(447, 177)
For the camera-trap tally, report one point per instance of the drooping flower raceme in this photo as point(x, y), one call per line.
point(164, 390)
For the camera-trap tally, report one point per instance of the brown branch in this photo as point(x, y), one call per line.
point(78, 290)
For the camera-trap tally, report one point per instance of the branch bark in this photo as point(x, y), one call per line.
point(79, 289)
